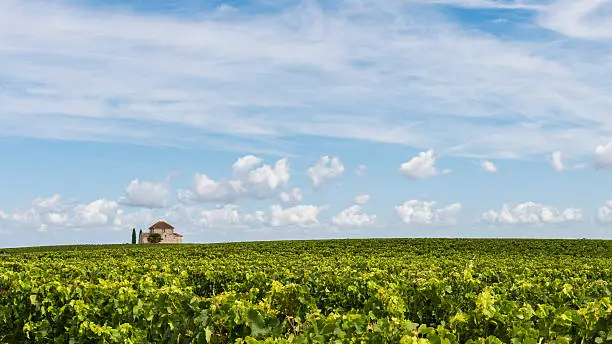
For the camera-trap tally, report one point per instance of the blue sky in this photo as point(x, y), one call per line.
point(268, 120)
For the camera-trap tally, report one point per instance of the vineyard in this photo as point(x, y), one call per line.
point(335, 291)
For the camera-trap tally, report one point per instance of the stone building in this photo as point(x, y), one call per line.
point(165, 230)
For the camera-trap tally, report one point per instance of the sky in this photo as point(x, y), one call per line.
point(265, 120)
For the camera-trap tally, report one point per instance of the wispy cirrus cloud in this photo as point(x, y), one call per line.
point(392, 71)
point(587, 19)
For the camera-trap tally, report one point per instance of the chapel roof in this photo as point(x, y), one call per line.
point(161, 225)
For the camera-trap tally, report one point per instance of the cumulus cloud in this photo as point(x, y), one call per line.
point(27, 216)
point(351, 217)
point(206, 189)
point(56, 218)
point(47, 203)
point(488, 166)
point(603, 156)
point(147, 194)
point(43, 211)
point(228, 216)
point(421, 166)
point(604, 213)
point(362, 199)
point(141, 218)
point(248, 181)
point(299, 215)
point(245, 164)
point(324, 170)
point(294, 196)
point(186, 216)
point(531, 213)
point(54, 212)
point(423, 212)
point(97, 213)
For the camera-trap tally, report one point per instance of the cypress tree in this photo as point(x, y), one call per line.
point(133, 236)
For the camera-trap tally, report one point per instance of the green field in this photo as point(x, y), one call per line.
point(336, 291)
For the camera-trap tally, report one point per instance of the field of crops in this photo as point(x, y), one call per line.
point(338, 291)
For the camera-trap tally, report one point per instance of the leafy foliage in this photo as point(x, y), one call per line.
point(337, 291)
point(154, 238)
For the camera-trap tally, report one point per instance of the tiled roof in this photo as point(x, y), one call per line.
point(161, 225)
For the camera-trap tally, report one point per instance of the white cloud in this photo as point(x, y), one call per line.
point(56, 218)
point(185, 216)
point(360, 170)
point(53, 212)
point(556, 161)
point(47, 203)
point(245, 164)
point(228, 216)
point(488, 166)
point(207, 190)
point(300, 215)
point(351, 217)
point(97, 213)
point(588, 19)
point(139, 219)
point(488, 4)
point(205, 76)
point(260, 182)
point(421, 166)
point(500, 20)
point(42, 212)
point(603, 156)
point(225, 8)
point(558, 164)
point(147, 194)
point(324, 170)
point(362, 199)
point(531, 213)
point(256, 217)
point(294, 196)
point(423, 212)
point(604, 213)
point(38, 212)
point(23, 217)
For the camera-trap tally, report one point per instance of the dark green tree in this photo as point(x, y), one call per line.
point(155, 238)
point(133, 236)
